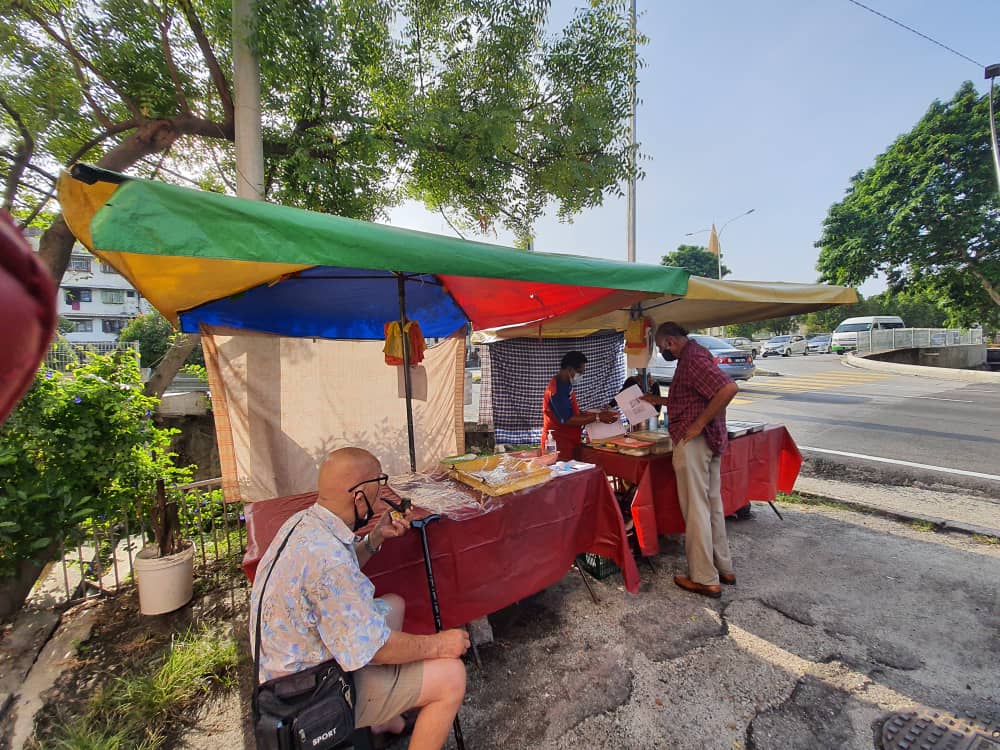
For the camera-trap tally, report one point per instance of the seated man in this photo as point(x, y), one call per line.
point(319, 605)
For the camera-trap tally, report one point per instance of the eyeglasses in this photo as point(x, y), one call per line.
point(382, 479)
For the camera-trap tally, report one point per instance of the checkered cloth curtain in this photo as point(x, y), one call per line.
point(516, 372)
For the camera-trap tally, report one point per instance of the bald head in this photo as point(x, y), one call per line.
point(343, 469)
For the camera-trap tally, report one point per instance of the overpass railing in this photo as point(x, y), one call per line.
point(917, 338)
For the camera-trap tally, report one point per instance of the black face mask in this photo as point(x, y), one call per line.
point(359, 522)
point(667, 355)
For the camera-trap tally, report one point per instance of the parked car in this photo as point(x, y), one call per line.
point(785, 346)
point(744, 344)
point(820, 344)
point(845, 336)
point(735, 363)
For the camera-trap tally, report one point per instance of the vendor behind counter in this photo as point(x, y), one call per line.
point(560, 412)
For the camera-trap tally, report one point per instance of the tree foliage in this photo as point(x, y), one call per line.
point(696, 259)
point(81, 446)
point(472, 106)
point(154, 335)
point(926, 214)
point(918, 309)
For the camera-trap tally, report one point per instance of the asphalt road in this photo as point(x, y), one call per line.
point(952, 426)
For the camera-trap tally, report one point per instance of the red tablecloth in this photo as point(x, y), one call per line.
point(755, 467)
point(485, 563)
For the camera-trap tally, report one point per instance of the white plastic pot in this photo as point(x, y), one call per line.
point(165, 583)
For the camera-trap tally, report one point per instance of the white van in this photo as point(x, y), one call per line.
point(845, 336)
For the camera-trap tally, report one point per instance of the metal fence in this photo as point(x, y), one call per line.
point(63, 353)
point(102, 562)
point(916, 338)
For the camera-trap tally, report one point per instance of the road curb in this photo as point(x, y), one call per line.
point(939, 373)
point(939, 524)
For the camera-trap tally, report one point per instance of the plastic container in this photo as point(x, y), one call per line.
point(165, 583)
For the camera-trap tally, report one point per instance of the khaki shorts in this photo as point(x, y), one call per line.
point(384, 691)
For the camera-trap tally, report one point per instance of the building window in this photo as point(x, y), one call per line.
point(130, 294)
point(74, 297)
point(113, 326)
point(113, 296)
point(82, 326)
point(107, 268)
point(79, 263)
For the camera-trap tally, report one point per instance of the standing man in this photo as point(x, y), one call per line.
point(696, 411)
point(318, 605)
point(560, 412)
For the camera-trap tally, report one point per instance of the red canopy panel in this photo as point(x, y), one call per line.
point(491, 303)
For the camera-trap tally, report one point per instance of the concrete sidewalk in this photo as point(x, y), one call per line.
point(951, 511)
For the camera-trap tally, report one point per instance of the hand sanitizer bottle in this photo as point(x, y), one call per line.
point(550, 443)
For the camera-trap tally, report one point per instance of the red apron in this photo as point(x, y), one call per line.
point(568, 437)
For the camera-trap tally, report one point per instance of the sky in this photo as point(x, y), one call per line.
point(771, 105)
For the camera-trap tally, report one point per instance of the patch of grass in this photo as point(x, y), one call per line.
point(138, 710)
point(984, 539)
point(918, 525)
point(796, 499)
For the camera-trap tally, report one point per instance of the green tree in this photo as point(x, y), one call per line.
point(475, 108)
point(155, 335)
point(696, 259)
point(744, 330)
point(926, 214)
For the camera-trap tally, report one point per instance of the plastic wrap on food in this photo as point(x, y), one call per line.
point(441, 494)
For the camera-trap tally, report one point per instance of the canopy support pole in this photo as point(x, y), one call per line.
point(407, 383)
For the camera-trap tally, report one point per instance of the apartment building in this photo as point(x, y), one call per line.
point(94, 297)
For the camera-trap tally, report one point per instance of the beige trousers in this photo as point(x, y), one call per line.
point(699, 490)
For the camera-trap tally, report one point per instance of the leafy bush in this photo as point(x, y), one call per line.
point(81, 445)
point(155, 335)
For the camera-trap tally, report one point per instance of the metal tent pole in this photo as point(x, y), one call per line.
point(407, 383)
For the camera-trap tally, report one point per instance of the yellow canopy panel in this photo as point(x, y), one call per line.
point(708, 302)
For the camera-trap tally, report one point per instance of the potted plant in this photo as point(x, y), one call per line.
point(164, 571)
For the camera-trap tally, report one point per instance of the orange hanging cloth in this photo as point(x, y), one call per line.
point(393, 348)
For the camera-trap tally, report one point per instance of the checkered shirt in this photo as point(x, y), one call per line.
point(696, 380)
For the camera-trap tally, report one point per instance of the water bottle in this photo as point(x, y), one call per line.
point(550, 443)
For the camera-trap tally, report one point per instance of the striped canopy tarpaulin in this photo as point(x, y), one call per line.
point(205, 258)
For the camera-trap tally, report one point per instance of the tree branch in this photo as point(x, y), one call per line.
point(214, 69)
point(991, 290)
point(168, 56)
point(99, 114)
point(21, 156)
point(25, 7)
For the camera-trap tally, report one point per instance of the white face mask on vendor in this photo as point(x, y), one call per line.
point(576, 379)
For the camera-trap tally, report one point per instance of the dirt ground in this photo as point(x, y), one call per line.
point(838, 619)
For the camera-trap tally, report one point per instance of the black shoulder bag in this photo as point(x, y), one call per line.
point(309, 710)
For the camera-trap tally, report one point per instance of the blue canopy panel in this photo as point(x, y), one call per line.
point(333, 303)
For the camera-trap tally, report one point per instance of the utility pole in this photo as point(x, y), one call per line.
point(246, 93)
point(630, 199)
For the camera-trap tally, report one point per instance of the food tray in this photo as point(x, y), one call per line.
point(738, 429)
point(531, 476)
point(660, 440)
point(626, 445)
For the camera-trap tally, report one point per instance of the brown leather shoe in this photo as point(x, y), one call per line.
point(698, 588)
point(728, 578)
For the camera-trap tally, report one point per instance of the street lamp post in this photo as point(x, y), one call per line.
point(719, 234)
point(993, 71)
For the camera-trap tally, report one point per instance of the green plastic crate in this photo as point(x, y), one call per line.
point(597, 566)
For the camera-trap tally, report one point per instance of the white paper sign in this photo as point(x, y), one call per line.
point(636, 410)
point(598, 431)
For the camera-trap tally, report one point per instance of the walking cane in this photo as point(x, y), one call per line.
point(421, 525)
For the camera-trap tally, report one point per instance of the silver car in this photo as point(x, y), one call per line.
point(785, 346)
point(820, 343)
point(735, 363)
